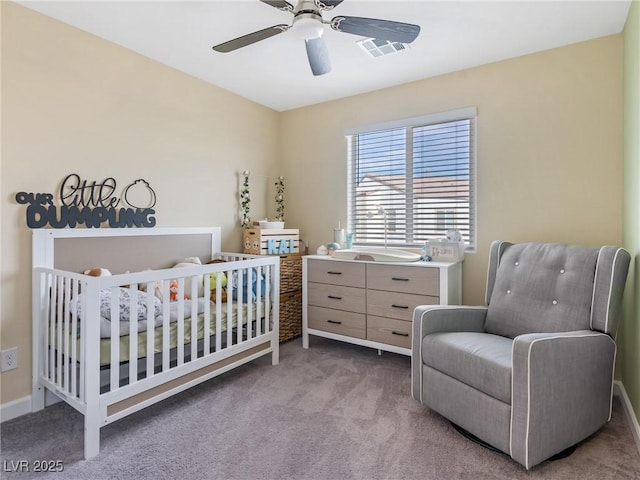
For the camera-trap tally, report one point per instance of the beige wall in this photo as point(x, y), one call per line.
point(629, 337)
point(549, 143)
point(73, 103)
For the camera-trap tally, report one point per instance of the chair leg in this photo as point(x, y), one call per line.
point(470, 436)
point(563, 454)
point(473, 438)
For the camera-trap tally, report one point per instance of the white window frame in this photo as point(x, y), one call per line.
point(468, 113)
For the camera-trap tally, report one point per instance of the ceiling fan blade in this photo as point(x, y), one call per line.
point(250, 38)
point(279, 4)
point(374, 28)
point(327, 4)
point(318, 55)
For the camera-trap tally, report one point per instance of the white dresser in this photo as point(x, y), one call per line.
point(372, 303)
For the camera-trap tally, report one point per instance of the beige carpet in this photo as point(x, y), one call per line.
point(335, 411)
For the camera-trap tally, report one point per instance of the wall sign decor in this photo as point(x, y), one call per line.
point(93, 204)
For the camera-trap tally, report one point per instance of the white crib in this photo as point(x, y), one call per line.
point(112, 345)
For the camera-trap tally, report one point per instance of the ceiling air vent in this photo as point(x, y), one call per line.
point(377, 48)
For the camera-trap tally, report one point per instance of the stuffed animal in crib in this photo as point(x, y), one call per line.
point(248, 283)
point(214, 283)
point(173, 291)
point(97, 272)
point(102, 272)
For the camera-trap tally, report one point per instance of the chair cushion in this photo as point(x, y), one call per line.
point(480, 360)
point(542, 288)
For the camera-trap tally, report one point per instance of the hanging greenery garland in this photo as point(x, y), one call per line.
point(245, 201)
point(280, 199)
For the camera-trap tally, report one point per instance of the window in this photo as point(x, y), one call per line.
point(413, 180)
point(446, 220)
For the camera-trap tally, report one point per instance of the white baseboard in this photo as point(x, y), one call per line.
point(15, 408)
point(619, 390)
point(22, 406)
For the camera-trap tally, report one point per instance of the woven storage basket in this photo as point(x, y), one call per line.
point(290, 315)
point(290, 273)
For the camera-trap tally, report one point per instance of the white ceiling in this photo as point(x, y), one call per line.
point(275, 72)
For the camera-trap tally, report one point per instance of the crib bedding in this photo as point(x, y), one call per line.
point(248, 312)
point(174, 313)
point(119, 300)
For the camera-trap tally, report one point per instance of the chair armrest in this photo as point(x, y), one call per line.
point(447, 318)
point(562, 386)
point(439, 318)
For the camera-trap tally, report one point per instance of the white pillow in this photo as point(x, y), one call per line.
point(190, 262)
point(124, 302)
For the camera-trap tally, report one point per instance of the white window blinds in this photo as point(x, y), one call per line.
point(413, 180)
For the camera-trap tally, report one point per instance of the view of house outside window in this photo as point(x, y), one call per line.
point(414, 182)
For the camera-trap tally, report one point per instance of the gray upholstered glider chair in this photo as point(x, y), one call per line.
point(530, 374)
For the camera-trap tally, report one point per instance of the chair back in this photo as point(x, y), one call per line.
point(553, 287)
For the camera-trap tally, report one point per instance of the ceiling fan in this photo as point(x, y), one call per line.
point(308, 22)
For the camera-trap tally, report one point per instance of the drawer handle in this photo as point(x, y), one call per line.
point(336, 322)
point(402, 334)
point(400, 306)
point(400, 279)
point(334, 273)
point(334, 297)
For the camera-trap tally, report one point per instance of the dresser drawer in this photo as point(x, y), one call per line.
point(336, 273)
point(389, 331)
point(418, 280)
point(337, 321)
point(336, 296)
point(396, 305)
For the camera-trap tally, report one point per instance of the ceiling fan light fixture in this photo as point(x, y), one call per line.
point(308, 26)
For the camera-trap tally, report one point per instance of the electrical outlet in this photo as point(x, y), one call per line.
point(10, 359)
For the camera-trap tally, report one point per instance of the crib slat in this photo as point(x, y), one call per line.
point(59, 327)
point(206, 349)
point(258, 305)
point(67, 335)
point(180, 321)
point(83, 341)
point(165, 325)
point(133, 333)
point(219, 310)
point(194, 318)
point(240, 309)
point(48, 334)
point(259, 286)
point(151, 326)
point(230, 307)
point(114, 363)
point(267, 300)
point(74, 344)
point(245, 304)
point(251, 301)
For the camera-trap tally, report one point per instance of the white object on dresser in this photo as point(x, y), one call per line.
point(371, 303)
